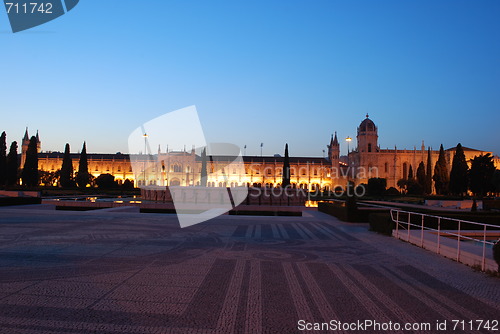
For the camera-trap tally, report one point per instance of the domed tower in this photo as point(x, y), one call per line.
point(367, 136)
point(334, 151)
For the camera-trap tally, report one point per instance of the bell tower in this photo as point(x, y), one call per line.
point(367, 136)
point(334, 151)
point(24, 148)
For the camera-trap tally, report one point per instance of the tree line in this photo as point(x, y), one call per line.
point(11, 172)
point(480, 179)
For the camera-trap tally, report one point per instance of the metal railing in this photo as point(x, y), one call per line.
point(403, 220)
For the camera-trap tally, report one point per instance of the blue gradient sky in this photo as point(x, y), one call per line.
point(258, 71)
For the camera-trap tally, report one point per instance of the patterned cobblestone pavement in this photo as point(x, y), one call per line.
point(110, 272)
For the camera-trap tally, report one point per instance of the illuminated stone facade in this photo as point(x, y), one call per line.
point(183, 168)
point(369, 160)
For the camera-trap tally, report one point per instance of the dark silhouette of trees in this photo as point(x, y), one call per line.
point(29, 174)
point(12, 165)
point(3, 159)
point(428, 173)
point(204, 172)
point(128, 185)
point(410, 173)
point(66, 180)
point(106, 181)
point(83, 177)
point(496, 181)
point(392, 192)
point(421, 177)
point(410, 185)
point(286, 169)
point(441, 177)
point(459, 173)
point(481, 175)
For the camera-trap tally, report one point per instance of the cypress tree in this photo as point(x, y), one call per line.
point(83, 176)
point(12, 165)
point(286, 169)
point(204, 173)
point(441, 177)
point(3, 159)
point(66, 178)
point(30, 169)
point(421, 177)
point(428, 173)
point(410, 173)
point(459, 172)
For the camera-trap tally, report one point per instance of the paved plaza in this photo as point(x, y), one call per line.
point(123, 272)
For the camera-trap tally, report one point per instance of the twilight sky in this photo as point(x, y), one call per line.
point(258, 71)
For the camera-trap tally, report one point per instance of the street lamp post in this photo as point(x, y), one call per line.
point(348, 140)
point(145, 135)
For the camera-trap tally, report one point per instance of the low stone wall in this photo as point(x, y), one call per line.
point(256, 196)
point(9, 193)
point(464, 204)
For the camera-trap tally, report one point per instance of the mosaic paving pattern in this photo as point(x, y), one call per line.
point(63, 272)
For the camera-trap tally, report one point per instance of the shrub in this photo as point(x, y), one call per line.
point(376, 186)
point(106, 181)
point(392, 192)
point(496, 253)
point(381, 223)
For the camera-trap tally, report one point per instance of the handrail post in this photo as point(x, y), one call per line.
point(483, 261)
point(422, 233)
point(439, 236)
point(409, 216)
point(397, 224)
point(458, 240)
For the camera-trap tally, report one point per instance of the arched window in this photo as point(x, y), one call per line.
point(386, 167)
point(405, 170)
point(369, 147)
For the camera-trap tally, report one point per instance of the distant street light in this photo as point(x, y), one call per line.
point(348, 140)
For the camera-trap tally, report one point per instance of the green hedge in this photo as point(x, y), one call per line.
point(381, 223)
point(342, 212)
point(10, 201)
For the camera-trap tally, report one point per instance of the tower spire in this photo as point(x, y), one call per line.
point(335, 140)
